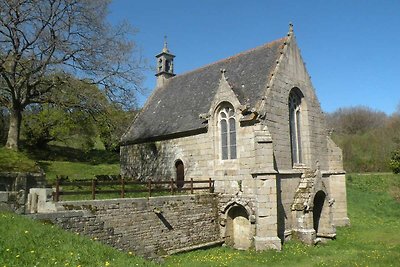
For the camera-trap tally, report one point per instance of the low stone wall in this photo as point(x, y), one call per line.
point(14, 189)
point(150, 227)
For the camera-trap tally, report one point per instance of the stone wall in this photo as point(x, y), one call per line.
point(14, 189)
point(293, 74)
point(149, 227)
point(336, 185)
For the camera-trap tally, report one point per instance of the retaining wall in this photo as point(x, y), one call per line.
point(150, 227)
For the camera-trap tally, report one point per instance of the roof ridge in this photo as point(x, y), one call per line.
point(230, 57)
point(287, 40)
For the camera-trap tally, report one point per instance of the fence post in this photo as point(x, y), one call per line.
point(93, 189)
point(57, 196)
point(191, 185)
point(122, 187)
point(172, 186)
point(149, 186)
point(209, 185)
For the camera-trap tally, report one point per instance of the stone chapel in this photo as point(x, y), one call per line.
point(251, 122)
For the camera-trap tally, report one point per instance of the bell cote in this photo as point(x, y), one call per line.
point(165, 65)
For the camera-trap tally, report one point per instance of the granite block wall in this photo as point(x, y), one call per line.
point(150, 227)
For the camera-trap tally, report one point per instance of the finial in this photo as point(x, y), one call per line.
point(290, 28)
point(223, 72)
point(165, 49)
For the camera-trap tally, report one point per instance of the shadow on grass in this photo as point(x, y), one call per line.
point(62, 153)
point(44, 166)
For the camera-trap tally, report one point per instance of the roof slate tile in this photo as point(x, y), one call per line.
point(176, 106)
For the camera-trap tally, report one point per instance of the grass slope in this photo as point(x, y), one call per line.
point(372, 240)
point(13, 161)
point(58, 160)
point(75, 163)
point(76, 170)
point(25, 242)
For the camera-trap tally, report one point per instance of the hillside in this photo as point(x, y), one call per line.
point(12, 161)
point(60, 160)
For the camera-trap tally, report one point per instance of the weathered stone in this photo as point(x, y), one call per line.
point(133, 224)
point(282, 169)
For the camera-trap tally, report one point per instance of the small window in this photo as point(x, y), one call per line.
point(295, 126)
point(227, 125)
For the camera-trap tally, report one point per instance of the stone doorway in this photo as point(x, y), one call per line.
point(238, 231)
point(319, 201)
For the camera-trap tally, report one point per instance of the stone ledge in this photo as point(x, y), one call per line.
point(333, 172)
point(194, 247)
point(341, 221)
point(264, 243)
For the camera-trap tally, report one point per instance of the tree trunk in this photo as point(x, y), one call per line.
point(14, 129)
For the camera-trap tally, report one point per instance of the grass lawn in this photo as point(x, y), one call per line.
point(57, 160)
point(76, 170)
point(25, 242)
point(372, 240)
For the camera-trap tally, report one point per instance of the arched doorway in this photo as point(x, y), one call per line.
point(238, 231)
point(319, 200)
point(180, 174)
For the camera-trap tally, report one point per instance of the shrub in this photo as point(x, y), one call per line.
point(394, 162)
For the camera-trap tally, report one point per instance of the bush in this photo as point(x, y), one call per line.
point(394, 162)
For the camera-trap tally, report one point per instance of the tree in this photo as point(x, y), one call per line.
point(394, 162)
point(367, 137)
point(355, 120)
point(113, 125)
point(3, 125)
point(46, 42)
point(46, 123)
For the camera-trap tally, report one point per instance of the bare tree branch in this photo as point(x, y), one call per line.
point(43, 38)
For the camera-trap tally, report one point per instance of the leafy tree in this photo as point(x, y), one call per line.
point(45, 42)
point(367, 137)
point(46, 123)
point(84, 115)
point(112, 126)
point(394, 162)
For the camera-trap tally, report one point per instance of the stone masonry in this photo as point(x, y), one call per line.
point(280, 141)
point(151, 227)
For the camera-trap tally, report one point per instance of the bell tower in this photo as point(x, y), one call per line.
point(165, 65)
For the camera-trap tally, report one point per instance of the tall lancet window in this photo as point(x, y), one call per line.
point(227, 125)
point(295, 126)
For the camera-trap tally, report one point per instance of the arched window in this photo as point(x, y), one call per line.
point(295, 126)
point(227, 125)
point(180, 174)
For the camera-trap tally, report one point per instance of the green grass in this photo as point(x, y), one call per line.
point(13, 161)
point(64, 153)
point(25, 242)
point(57, 160)
point(372, 240)
point(76, 170)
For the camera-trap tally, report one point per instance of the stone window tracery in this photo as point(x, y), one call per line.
point(227, 125)
point(295, 127)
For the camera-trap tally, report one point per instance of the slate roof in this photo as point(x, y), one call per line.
point(175, 107)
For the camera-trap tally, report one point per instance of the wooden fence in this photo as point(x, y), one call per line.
point(94, 186)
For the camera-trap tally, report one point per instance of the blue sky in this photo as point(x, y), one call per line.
point(351, 48)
